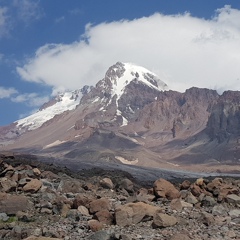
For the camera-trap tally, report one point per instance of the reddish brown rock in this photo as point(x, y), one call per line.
point(82, 200)
point(196, 190)
point(89, 186)
point(143, 195)
point(104, 217)
point(70, 185)
point(227, 189)
point(8, 168)
point(61, 199)
point(64, 209)
point(126, 184)
point(33, 186)
point(162, 220)
point(207, 219)
point(191, 199)
point(11, 204)
point(214, 184)
point(15, 177)
point(95, 225)
point(176, 205)
point(165, 189)
point(49, 175)
point(99, 205)
point(107, 183)
point(7, 185)
point(36, 171)
point(185, 185)
point(221, 189)
point(133, 213)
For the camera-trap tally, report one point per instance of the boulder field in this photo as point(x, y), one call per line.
point(38, 203)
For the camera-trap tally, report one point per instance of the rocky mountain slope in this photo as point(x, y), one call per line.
point(130, 117)
point(43, 202)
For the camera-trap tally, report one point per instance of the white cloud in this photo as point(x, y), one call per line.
point(183, 50)
point(28, 10)
point(7, 92)
point(228, 16)
point(31, 99)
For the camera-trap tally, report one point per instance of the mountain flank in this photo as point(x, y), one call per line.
point(131, 117)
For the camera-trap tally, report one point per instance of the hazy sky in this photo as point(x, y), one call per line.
point(48, 46)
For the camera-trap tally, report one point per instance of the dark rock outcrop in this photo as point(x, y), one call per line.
point(224, 121)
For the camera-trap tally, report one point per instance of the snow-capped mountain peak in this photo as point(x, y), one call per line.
point(115, 84)
point(121, 74)
point(124, 90)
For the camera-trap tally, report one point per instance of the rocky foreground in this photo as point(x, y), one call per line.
point(40, 202)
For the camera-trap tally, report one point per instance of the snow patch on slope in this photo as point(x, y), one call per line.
point(125, 121)
point(65, 102)
point(125, 161)
point(56, 143)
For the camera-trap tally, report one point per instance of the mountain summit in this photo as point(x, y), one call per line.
point(125, 89)
point(120, 75)
point(116, 80)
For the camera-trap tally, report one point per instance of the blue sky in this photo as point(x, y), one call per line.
point(47, 46)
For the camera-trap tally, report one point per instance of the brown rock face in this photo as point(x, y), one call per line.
point(165, 189)
point(176, 114)
point(135, 97)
